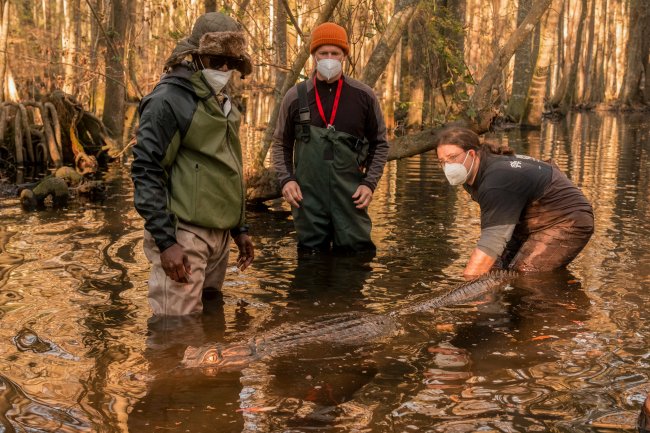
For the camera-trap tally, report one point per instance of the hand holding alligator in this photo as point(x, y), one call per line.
point(246, 250)
point(362, 197)
point(175, 263)
point(291, 193)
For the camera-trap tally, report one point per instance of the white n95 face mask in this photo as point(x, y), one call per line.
point(216, 79)
point(456, 173)
point(329, 68)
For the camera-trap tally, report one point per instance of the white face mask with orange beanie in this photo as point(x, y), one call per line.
point(329, 34)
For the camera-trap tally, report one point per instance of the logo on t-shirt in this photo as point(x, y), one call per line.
point(515, 164)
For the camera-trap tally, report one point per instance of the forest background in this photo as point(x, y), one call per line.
point(483, 62)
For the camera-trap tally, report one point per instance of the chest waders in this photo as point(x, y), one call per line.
point(329, 169)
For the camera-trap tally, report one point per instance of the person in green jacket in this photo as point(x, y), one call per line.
point(188, 171)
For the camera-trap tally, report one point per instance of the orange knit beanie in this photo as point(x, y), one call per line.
point(329, 34)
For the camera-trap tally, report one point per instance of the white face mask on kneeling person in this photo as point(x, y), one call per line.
point(456, 173)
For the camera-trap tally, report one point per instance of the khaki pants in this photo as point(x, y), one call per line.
point(207, 251)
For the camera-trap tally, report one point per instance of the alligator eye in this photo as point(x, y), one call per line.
point(211, 357)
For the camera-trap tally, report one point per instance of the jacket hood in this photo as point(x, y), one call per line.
point(181, 75)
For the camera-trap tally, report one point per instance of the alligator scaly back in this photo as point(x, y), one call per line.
point(346, 328)
point(466, 292)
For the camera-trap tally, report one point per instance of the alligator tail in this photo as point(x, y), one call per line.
point(466, 292)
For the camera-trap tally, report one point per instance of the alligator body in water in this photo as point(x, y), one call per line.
point(345, 328)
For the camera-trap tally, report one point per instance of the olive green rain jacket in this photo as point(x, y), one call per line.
point(187, 161)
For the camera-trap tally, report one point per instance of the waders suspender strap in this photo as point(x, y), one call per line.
point(303, 110)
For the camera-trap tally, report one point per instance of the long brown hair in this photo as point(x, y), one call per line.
point(467, 139)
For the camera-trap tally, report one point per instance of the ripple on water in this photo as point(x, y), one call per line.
point(35, 415)
point(9, 296)
point(27, 340)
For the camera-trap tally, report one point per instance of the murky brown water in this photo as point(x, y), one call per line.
point(566, 352)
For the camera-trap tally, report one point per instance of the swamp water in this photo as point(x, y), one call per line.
point(560, 352)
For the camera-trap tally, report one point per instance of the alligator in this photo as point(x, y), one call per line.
point(345, 328)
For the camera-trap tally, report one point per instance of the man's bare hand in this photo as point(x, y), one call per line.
point(246, 250)
point(291, 193)
point(175, 264)
point(362, 197)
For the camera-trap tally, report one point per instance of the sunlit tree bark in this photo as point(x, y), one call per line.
point(646, 57)
point(638, 50)
point(413, 78)
point(523, 69)
point(563, 96)
point(93, 59)
point(133, 90)
point(547, 46)
point(595, 89)
point(482, 101)
point(67, 47)
point(390, 37)
point(4, 31)
point(280, 42)
point(389, 94)
point(612, 23)
point(115, 96)
point(480, 46)
point(586, 58)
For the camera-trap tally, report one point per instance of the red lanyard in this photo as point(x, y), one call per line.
point(334, 107)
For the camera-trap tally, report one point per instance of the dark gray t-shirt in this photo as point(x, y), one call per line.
point(505, 185)
point(521, 195)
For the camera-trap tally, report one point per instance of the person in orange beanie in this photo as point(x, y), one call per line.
point(329, 150)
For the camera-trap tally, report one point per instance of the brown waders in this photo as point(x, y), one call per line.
point(329, 169)
point(551, 237)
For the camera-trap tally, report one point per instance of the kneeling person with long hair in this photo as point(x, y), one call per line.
point(533, 218)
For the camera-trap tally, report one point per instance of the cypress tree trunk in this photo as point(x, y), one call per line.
point(4, 31)
point(585, 58)
point(547, 46)
point(524, 60)
point(645, 50)
point(389, 95)
point(386, 46)
point(415, 75)
point(563, 97)
point(482, 103)
point(280, 42)
point(113, 115)
point(637, 55)
point(67, 47)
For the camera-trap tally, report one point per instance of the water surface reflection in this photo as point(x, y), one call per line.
point(564, 352)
